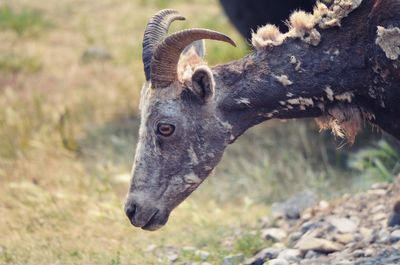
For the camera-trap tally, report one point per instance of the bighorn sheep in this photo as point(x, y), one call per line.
point(338, 67)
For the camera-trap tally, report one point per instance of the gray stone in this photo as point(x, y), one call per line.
point(379, 186)
point(291, 255)
point(295, 236)
point(358, 253)
point(96, 54)
point(233, 259)
point(203, 255)
point(292, 208)
point(317, 244)
point(344, 238)
point(369, 252)
point(379, 217)
point(265, 254)
point(384, 236)
point(277, 262)
point(395, 236)
point(311, 254)
point(173, 257)
point(274, 234)
point(343, 225)
point(151, 248)
point(367, 234)
point(310, 225)
point(264, 222)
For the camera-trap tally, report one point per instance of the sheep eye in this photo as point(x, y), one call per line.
point(165, 129)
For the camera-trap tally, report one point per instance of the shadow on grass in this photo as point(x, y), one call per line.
point(109, 149)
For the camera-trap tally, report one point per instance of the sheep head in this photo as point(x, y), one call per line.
point(181, 136)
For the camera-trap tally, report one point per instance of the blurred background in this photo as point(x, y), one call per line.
point(70, 78)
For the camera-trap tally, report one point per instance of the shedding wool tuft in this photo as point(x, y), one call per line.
point(345, 122)
point(187, 63)
point(301, 22)
point(303, 25)
point(269, 35)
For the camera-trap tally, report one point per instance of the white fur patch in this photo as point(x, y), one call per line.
point(192, 179)
point(329, 93)
point(193, 157)
point(389, 41)
point(301, 101)
point(339, 10)
point(283, 79)
point(346, 96)
point(244, 101)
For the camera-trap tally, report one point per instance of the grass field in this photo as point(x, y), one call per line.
point(67, 135)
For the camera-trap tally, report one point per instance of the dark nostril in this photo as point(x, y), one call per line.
point(130, 211)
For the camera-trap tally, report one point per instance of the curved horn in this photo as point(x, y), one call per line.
point(166, 56)
point(155, 31)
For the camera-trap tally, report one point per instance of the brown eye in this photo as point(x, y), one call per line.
point(165, 129)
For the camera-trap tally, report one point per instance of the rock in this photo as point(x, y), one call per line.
point(384, 236)
point(291, 255)
point(306, 215)
point(307, 226)
point(265, 254)
point(292, 208)
point(378, 209)
point(379, 217)
point(274, 234)
point(343, 225)
point(203, 255)
point(317, 244)
point(379, 186)
point(151, 248)
point(344, 238)
point(295, 236)
point(311, 254)
point(264, 222)
point(369, 252)
point(233, 259)
point(358, 253)
point(395, 236)
point(377, 192)
point(277, 262)
point(323, 205)
point(96, 54)
point(366, 233)
point(172, 257)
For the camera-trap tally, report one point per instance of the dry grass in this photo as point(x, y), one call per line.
point(67, 135)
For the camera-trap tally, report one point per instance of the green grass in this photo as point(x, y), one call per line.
point(250, 243)
point(22, 22)
point(16, 63)
point(380, 162)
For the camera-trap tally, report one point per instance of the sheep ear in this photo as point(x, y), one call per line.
point(198, 47)
point(203, 84)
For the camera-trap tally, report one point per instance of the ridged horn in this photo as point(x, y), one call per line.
point(166, 56)
point(155, 32)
